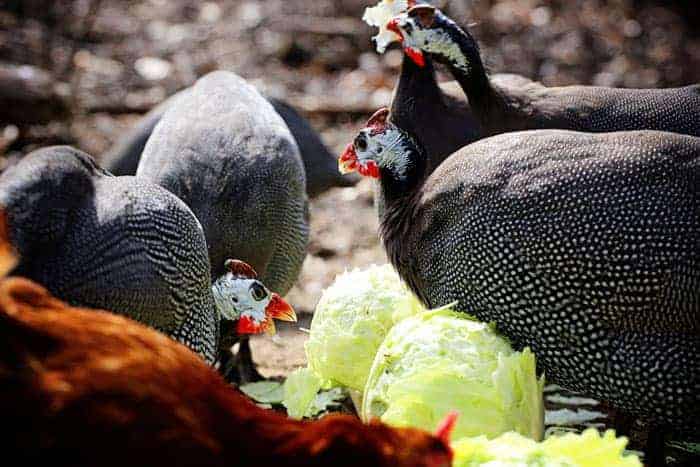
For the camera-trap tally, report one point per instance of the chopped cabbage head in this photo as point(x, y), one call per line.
point(350, 322)
point(441, 361)
point(588, 449)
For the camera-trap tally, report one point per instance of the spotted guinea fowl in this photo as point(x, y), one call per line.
point(320, 165)
point(519, 104)
point(438, 114)
point(224, 151)
point(128, 246)
point(83, 388)
point(584, 247)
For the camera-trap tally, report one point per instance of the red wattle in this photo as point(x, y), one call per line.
point(416, 55)
point(246, 325)
point(369, 169)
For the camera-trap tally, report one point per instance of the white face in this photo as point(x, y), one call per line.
point(432, 40)
point(237, 297)
point(388, 148)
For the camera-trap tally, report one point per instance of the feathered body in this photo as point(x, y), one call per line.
point(116, 243)
point(586, 248)
point(230, 157)
point(319, 164)
point(83, 387)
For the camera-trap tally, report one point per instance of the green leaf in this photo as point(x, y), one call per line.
point(265, 392)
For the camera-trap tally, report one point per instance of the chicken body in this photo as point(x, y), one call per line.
point(83, 388)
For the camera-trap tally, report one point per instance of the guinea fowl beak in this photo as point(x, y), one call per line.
point(347, 162)
point(414, 54)
point(276, 309)
point(281, 310)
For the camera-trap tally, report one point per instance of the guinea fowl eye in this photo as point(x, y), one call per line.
point(361, 143)
point(258, 291)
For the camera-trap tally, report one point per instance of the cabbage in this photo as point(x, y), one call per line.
point(300, 388)
point(440, 361)
point(379, 16)
point(588, 449)
point(301, 396)
point(350, 322)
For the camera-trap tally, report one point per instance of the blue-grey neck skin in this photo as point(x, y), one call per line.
point(445, 42)
point(400, 158)
point(399, 182)
point(465, 64)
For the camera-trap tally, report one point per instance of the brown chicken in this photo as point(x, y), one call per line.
point(84, 387)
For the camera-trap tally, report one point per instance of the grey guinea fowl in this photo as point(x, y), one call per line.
point(230, 157)
point(225, 152)
point(519, 104)
point(320, 165)
point(123, 245)
point(585, 247)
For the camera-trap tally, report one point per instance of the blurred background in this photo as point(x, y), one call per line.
point(81, 72)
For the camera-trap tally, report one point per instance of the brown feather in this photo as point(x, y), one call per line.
point(84, 387)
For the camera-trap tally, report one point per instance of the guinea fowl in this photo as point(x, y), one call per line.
point(83, 388)
point(437, 114)
point(584, 247)
point(224, 151)
point(320, 165)
point(519, 104)
point(128, 246)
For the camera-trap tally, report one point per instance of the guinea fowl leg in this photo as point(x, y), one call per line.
point(239, 368)
point(246, 372)
point(654, 455)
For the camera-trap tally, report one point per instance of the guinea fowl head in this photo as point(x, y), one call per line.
point(381, 147)
point(241, 297)
point(425, 29)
